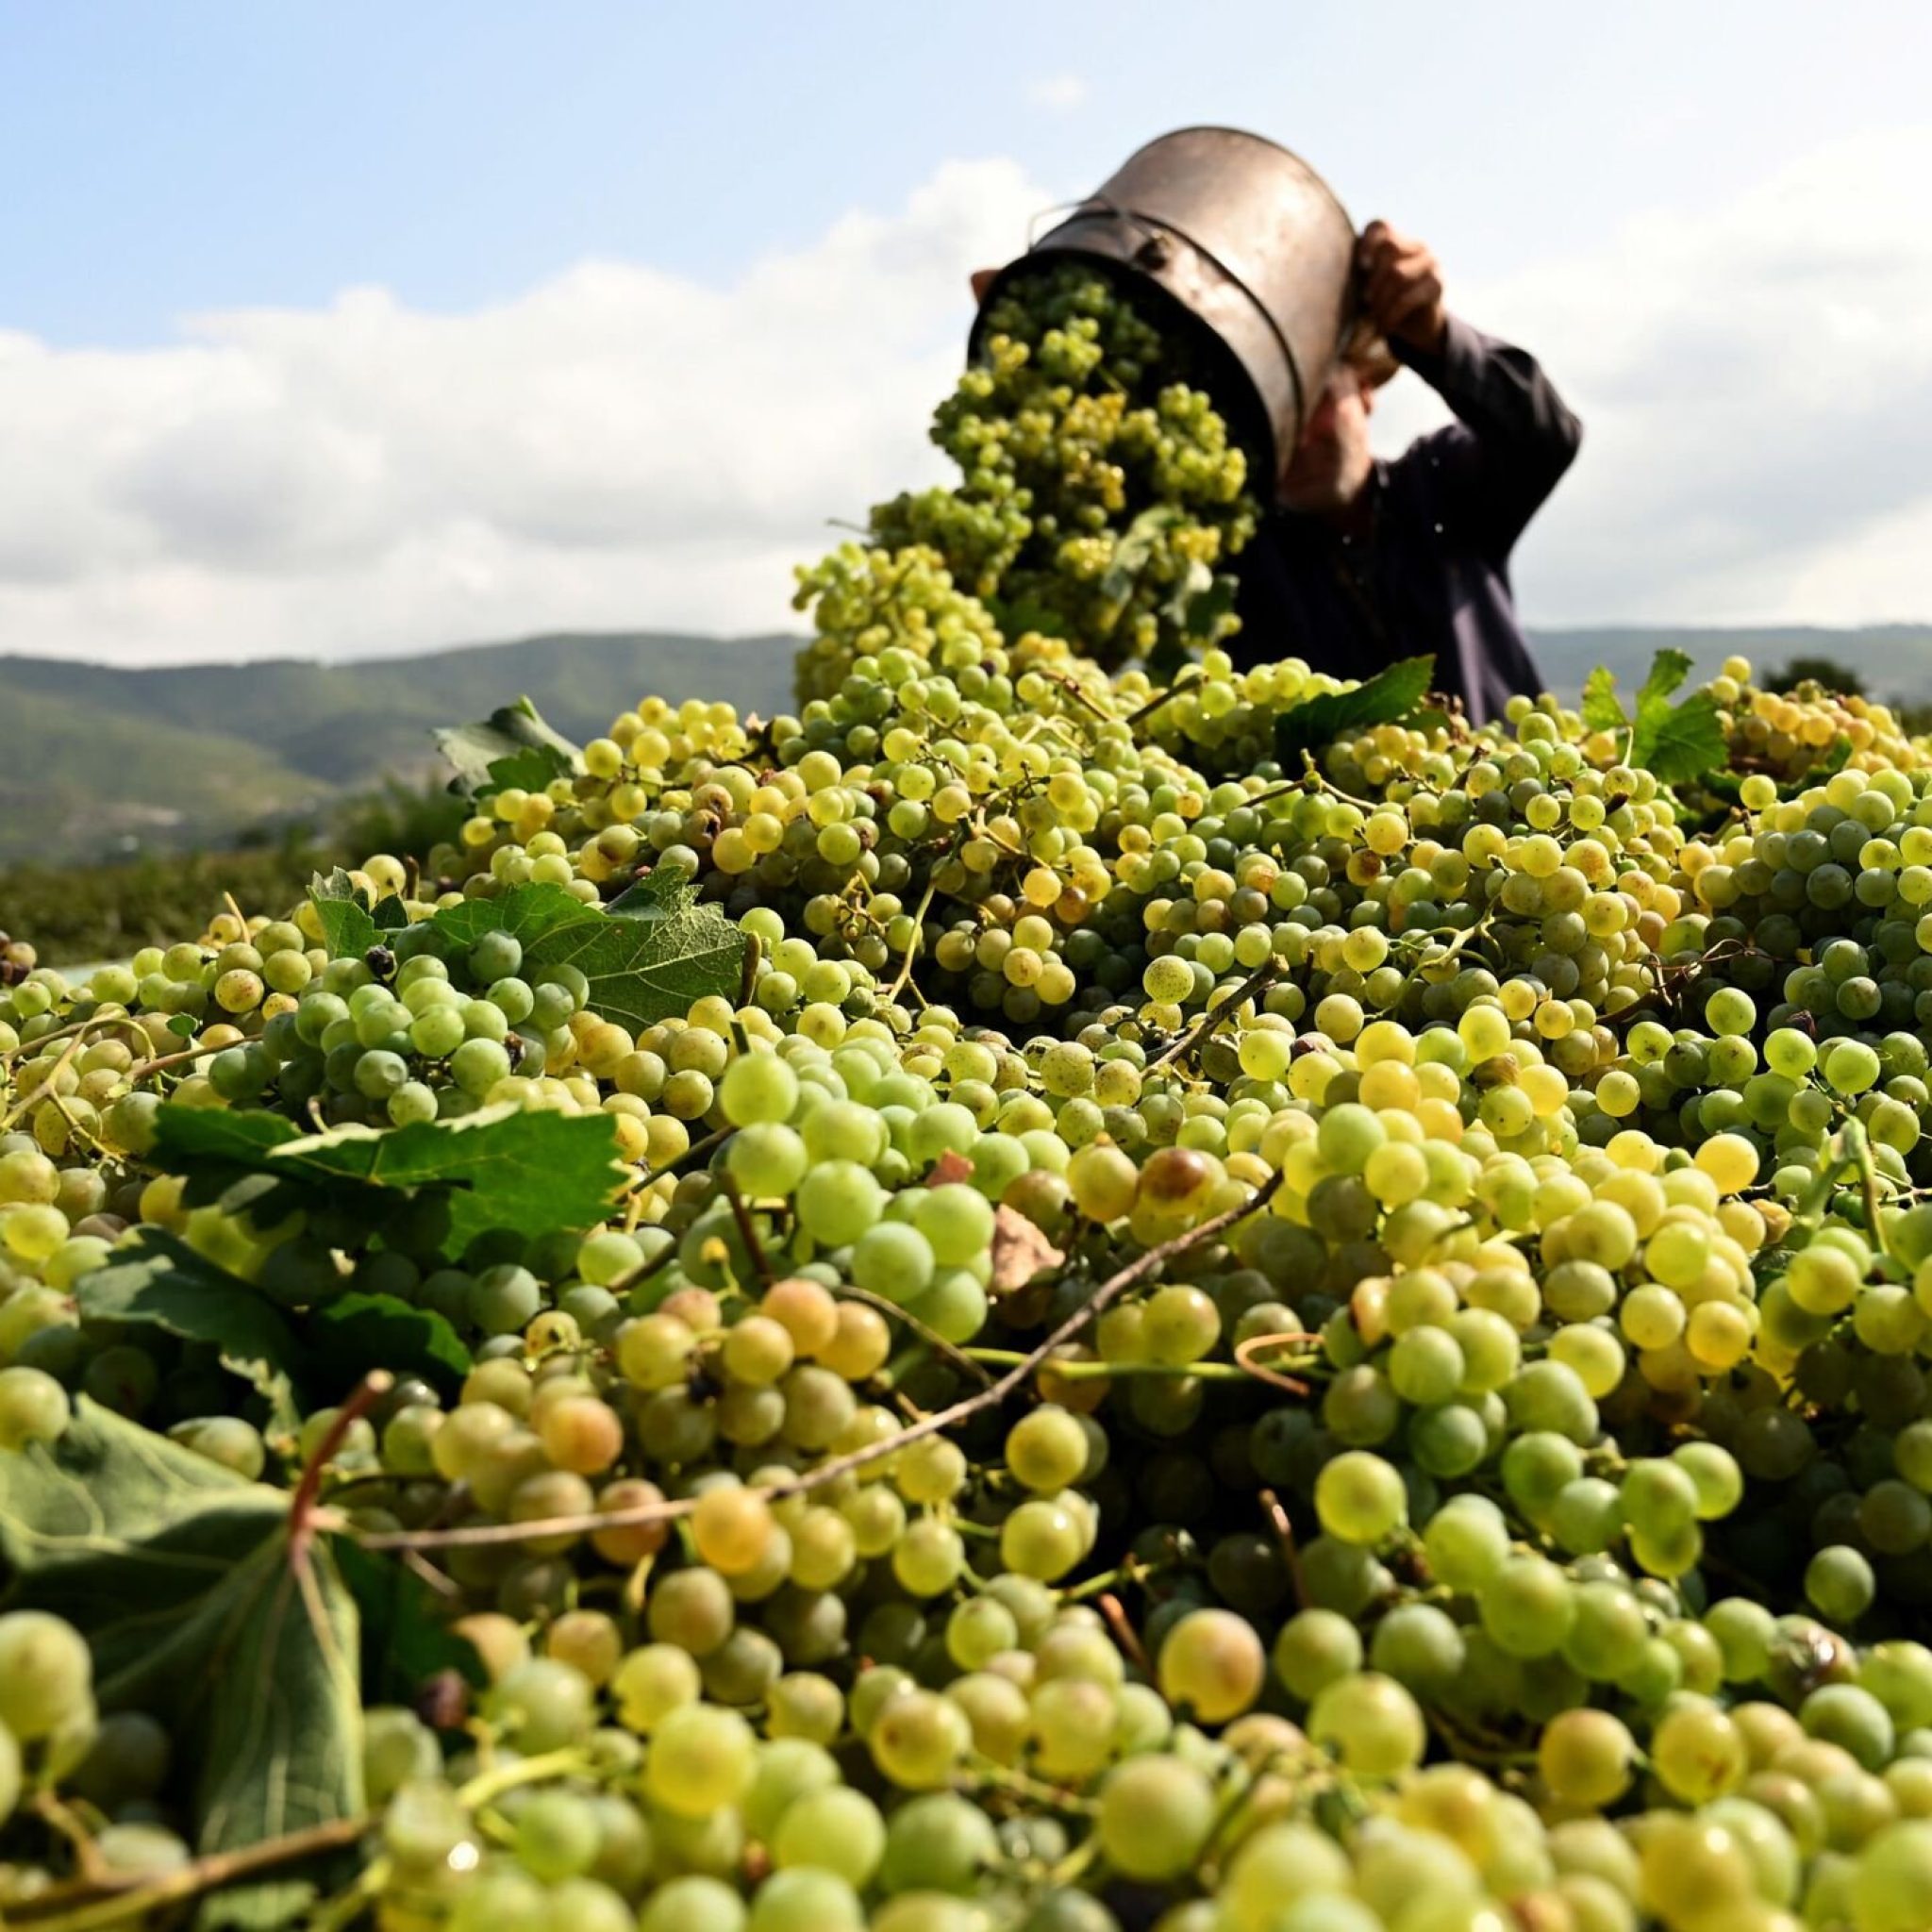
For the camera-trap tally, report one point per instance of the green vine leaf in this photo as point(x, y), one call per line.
point(514, 737)
point(181, 1577)
point(653, 953)
point(160, 1282)
point(353, 1333)
point(1603, 710)
point(499, 1168)
point(1387, 698)
point(350, 925)
point(1682, 742)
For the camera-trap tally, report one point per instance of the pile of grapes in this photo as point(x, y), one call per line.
point(1041, 1299)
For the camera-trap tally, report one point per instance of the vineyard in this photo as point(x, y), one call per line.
point(1078, 1289)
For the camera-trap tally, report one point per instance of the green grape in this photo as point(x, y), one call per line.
point(838, 1830)
point(1361, 1499)
point(1316, 1648)
point(1211, 1662)
point(1371, 1723)
point(702, 1760)
point(46, 1674)
point(1156, 1813)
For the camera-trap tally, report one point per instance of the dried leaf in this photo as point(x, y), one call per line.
point(1020, 1251)
point(951, 1166)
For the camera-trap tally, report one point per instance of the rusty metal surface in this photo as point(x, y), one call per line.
point(1247, 240)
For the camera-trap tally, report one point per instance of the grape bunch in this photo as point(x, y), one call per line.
point(1101, 499)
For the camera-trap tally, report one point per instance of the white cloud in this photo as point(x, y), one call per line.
point(1756, 387)
point(621, 448)
point(615, 448)
point(1059, 93)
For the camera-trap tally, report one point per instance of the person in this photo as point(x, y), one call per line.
point(1363, 560)
point(1359, 562)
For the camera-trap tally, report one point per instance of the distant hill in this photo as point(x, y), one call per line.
point(102, 761)
point(1894, 659)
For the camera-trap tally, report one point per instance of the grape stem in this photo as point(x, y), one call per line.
point(302, 1524)
point(962, 1359)
point(898, 985)
point(1185, 1043)
point(1122, 1626)
point(1070, 686)
point(1858, 1146)
point(1245, 1352)
point(1154, 704)
point(1140, 1270)
point(112, 1897)
point(46, 1086)
point(747, 1231)
point(1115, 1372)
point(1283, 1535)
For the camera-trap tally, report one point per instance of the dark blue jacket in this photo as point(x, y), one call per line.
point(1432, 572)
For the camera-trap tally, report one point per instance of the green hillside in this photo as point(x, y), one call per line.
point(104, 760)
point(106, 763)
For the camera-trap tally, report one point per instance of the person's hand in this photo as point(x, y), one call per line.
point(1402, 286)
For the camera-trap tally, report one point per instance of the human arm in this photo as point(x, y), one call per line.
point(1520, 434)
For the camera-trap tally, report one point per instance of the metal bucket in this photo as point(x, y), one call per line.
point(1248, 245)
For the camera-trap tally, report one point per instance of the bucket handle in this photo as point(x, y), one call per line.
point(1098, 203)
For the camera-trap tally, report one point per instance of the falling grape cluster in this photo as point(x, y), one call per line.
point(1038, 1299)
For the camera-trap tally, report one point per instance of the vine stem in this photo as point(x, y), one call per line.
point(115, 1897)
point(1073, 690)
point(898, 985)
point(1115, 1372)
point(1186, 1043)
point(1103, 1297)
point(302, 1523)
point(1245, 1352)
point(747, 1231)
point(960, 1358)
point(1284, 1535)
point(1858, 1146)
point(1179, 687)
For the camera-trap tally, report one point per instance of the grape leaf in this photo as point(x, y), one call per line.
point(1667, 670)
point(515, 735)
point(348, 1335)
point(1389, 695)
point(179, 1574)
point(1603, 710)
point(501, 1167)
point(236, 1138)
point(654, 951)
point(1133, 548)
point(653, 894)
point(643, 971)
point(350, 924)
point(403, 1641)
point(160, 1281)
point(1685, 741)
point(505, 1167)
point(525, 912)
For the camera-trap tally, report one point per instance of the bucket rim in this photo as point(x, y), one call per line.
point(1247, 133)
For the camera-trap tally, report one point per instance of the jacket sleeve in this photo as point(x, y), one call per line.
point(1516, 437)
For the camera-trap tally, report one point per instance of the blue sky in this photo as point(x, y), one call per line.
point(166, 164)
point(190, 156)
